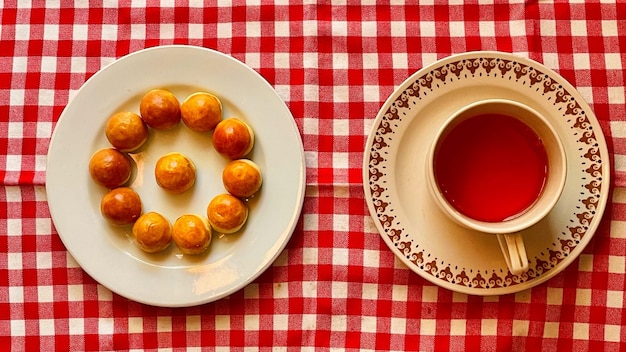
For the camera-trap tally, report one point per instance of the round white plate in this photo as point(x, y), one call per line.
point(170, 278)
point(414, 228)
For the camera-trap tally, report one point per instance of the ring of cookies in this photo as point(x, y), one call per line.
point(112, 167)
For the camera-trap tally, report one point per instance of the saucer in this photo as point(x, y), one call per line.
point(424, 238)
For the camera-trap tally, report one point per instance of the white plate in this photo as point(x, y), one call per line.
point(414, 228)
point(170, 278)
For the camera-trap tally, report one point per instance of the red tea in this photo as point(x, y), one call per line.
point(491, 167)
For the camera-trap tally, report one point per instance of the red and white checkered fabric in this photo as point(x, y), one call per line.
point(336, 285)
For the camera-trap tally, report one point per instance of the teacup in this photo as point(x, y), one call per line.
point(498, 167)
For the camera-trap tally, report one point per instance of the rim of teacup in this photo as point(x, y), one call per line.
point(555, 183)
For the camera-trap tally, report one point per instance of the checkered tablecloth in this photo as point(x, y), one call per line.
point(336, 285)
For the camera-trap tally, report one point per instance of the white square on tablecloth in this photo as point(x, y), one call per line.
point(581, 331)
point(46, 327)
point(457, 29)
point(71, 262)
point(48, 64)
point(109, 32)
point(282, 29)
point(551, 330)
point(616, 96)
point(340, 256)
point(18, 327)
point(280, 322)
point(253, 29)
point(309, 322)
point(613, 61)
point(585, 263)
point(224, 30)
point(14, 261)
point(459, 297)
point(164, 324)
point(370, 291)
point(309, 289)
point(458, 327)
point(20, 64)
point(583, 297)
point(135, 325)
point(370, 61)
point(369, 29)
point(311, 92)
point(399, 293)
point(338, 322)
point(283, 91)
point(75, 293)
point(371, 93)
point(309, 28)
point(617, 264)
point(195, 30)
point(16, 294)
point(281, 60)
point(168, 3)
point(22, 32)
point(105, 326)
point(76, 326)
point(619, 162)
point(489, 327)
point(51, 32)
point(339, 289)
point(16, 130)
point(582, 61)
point(368, 324)
point(253, 59)
point(251, 291)
point(46, 97)
point(222, 322)
point(520, 327)
point(554, 296)
point(310, 256)
point(487, 28)
point(340, 160)
point(428, 326)
point(166, 31)
point(137, 31)
point(618, 229)
point(397, 326)
point(40, 163)
point(341, 127)
point(398, 29)
point(427, 28)
point(44, 260)
point(609, 28)
point(45, 294)
point(517, 28)
point(79, 32)
point(280, 290)
point(400, 60)
point(612, 333)
point(16, 97)
point(339, 28)
point(371, 258)
point(579, 28)
point(615, 299)
point(429, 293)
point(14, 227)
point(340, 61)
point(547, 28)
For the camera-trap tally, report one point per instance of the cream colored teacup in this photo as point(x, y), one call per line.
point(498, 167)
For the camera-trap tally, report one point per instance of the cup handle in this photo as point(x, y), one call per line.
point(512, 246)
